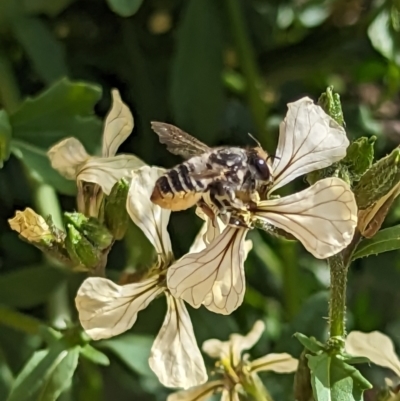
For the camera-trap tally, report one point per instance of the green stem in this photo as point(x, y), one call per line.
point(47, 203)
point(9, 91)
point(337, 304)
point(290, 278)
point(19, 321)
point(254, 387)
point(249, 68)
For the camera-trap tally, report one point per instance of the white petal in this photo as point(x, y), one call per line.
point(175, 357)
point(200, 393)
point(323, 217)
point(279, 363)
point(230, 395)
point(149, 217)
point(308, 140)
point(106, 171)
point(207, 234)
point(214, 276)
point(118, 125)
point(107, 309)
point(66, 157)
point(237, 343)
point(375, 346)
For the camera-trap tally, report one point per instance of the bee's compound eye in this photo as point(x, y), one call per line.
point(262, 169)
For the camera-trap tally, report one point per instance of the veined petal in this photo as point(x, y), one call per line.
point(199, 393)
point(66, 157)
point(323, 217)
point(308, 140)
point(175, 357)
point(375, 346)
point(237, 343)
point(207, 233)
point(214, 276)
point(106, 171)
point(279, 363)
point(107, 309)
point(118, 125)
point(149, 217)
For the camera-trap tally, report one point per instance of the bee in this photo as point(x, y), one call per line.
point(217, 179)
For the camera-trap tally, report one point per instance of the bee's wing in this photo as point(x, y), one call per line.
point(179, 142)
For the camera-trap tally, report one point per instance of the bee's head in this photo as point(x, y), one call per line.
point(259, 166)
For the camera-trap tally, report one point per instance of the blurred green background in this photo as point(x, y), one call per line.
point(217, 69)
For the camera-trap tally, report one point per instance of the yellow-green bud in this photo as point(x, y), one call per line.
point(91, 229)
point(80, 250)
point(379, 180)
point(330, 102)
point(116, 217)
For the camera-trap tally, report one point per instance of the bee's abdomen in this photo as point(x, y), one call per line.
point(176, 190)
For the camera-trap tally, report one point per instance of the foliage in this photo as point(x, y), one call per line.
point(217, 70)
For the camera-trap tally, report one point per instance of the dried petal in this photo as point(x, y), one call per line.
point(149, 217)
point(106, 171)
point(175, 357)
point(375, 346)
point(30, 226)
point(237, 343)
point(214, 276)
point(118, 125)
point(323, 217)
point(308, 140)
point(279, 363)
point(107, 309)
point(67, 156)
point(200, 393)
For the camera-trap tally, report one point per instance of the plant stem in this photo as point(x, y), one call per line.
point(19, 321)
point(58, 305)
point(249, 68)
point(290, 278)
point(337, 304)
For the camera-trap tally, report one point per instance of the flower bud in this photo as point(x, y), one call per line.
point(91, 229)
point(330, 103)
point(32, 227)
point(376, 191)
point(116, 217)
point(80, 249)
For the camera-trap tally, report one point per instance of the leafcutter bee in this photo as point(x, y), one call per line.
point(218, 179)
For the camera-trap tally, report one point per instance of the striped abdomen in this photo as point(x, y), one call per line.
point(177, 190)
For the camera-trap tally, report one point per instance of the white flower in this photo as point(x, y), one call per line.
point(70, 159)
point(323, 217)
point(236, 367)
point(375, 346)
point(107, 309)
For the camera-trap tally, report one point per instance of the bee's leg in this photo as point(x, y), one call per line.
point(227, 196)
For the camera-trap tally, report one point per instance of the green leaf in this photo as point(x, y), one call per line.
point(384, 35)
point(29, 287)
point(310, 343)
point(5, 137)
point(383, 241)
point(332, 379)
point(125, 8)
point(46, 53)
point(197, 88)
point(47, 374)
point(48, 7)
point(94, 355)
point(133, 350)
point(6, 377)
point(65, 109)
point(39, 168)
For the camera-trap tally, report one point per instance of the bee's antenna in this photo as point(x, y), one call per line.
point(255, 140)
point(273, 157)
